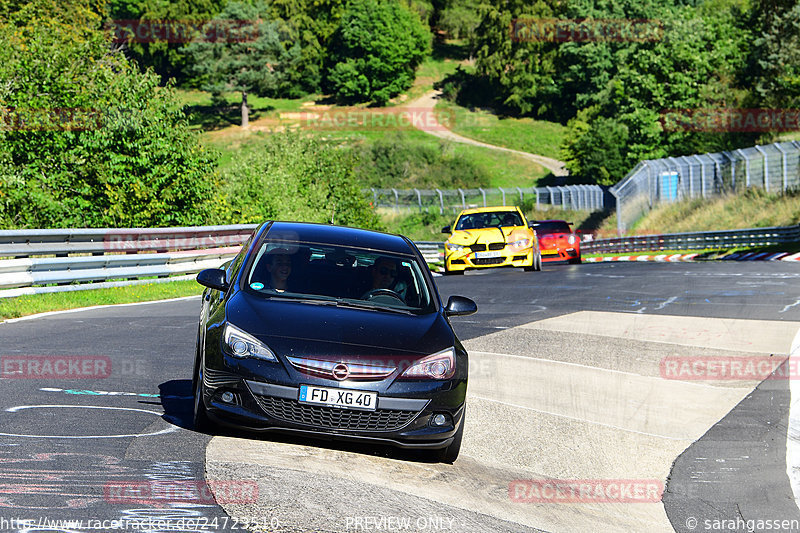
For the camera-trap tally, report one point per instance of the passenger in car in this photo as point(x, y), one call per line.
point(279, 267)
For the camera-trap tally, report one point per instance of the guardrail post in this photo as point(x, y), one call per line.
point(521, 201)
point(463, 200)
point(441, 202)
point(396, 200)
point(419, 199)
point(483, 193)
point(504, 195)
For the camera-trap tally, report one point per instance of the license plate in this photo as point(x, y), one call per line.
point(343, 398)
point(549, 252)
point(487, 255)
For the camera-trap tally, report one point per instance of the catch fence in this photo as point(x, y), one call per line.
point(774, 168)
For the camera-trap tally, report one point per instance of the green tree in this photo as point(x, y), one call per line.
point(250, 59)
point(775, 59)
point(165, 56)
point(310, 23)
point(375, 50)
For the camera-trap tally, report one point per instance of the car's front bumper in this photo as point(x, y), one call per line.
point(466, 259)
point(400, 420)
point(560, 254)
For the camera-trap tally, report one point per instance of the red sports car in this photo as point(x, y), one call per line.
point(557, 241)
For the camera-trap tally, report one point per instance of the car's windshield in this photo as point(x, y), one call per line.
point(343, 276)
point(552, 227)
point(489, 220)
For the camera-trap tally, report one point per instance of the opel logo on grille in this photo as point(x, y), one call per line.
point(340, 371)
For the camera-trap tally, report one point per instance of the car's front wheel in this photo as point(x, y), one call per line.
point(450, 453)
point(536, 264)
point(200, 416)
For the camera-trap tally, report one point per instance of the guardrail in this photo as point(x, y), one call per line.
point(700, 240)
point(40, 261)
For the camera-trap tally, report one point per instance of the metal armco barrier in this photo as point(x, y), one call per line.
point(39, 261)
point(696, 241)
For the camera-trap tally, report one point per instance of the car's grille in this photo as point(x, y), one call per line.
point(334, 418)
point(497, 245)
point(478, 247)
point(488, 261)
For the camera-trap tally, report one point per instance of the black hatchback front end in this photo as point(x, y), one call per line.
point(332, 332)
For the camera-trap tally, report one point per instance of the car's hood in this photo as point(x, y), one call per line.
point(301, 329)
point(467, 237)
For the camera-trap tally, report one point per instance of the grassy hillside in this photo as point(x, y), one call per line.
point(751, 209)
point(525, 134)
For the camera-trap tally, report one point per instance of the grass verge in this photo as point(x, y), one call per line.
point(57, 301)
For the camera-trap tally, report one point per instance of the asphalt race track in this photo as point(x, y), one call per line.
point(587, 411)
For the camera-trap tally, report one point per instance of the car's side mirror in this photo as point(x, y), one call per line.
point(446, 229)
point(460, 306)
point(213, 278)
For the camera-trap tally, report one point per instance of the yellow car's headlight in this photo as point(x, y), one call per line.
point(522, 243)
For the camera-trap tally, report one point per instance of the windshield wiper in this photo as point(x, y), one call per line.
point(306, 299)
point(365, 305)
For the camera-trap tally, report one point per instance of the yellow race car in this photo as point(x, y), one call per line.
point(488, 237)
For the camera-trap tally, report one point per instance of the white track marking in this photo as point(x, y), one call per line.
point(18, 408)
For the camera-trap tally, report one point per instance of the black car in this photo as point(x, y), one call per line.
point(331, 332)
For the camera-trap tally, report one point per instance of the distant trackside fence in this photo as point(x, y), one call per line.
point(774, 168)
point(575, 197)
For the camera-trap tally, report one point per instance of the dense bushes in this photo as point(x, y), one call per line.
point(296, 178)
point(87, 139)
point(399, 162)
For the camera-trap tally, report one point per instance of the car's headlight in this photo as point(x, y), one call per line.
point(455, 247)
point(522, 243)
point(571, 239)
point(441, 365)
point(241, 344)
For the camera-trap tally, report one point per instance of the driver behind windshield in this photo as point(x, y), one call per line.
point(383, 273)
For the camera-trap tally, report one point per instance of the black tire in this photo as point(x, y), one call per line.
point(200, 416)
point(450, 453)
point(575, 261)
